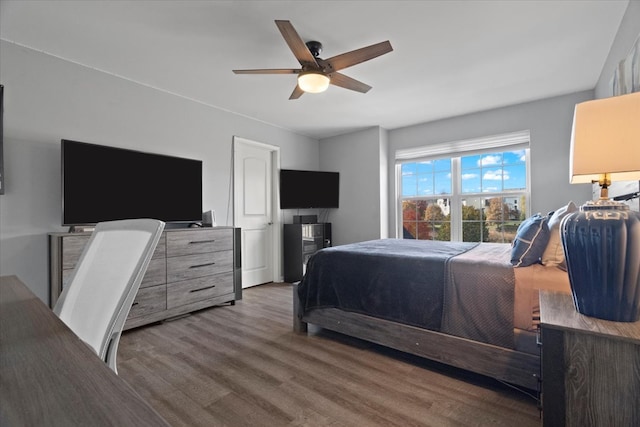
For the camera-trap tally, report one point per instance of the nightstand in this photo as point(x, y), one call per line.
point(590, 367)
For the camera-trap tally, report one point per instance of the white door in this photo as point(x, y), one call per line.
point(253, 209)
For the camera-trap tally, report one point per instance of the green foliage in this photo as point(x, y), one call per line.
point(474, 229)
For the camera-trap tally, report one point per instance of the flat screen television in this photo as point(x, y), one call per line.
point(309, 189)
point(101, 183)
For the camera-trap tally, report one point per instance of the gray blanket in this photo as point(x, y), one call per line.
point(479, 296)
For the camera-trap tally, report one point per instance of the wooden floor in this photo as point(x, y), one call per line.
point(243, 365)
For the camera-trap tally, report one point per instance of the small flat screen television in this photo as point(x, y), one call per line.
point(101, 183)
point(309, 189)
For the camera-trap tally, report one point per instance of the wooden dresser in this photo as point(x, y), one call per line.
point(590, 367)
point(191, 269)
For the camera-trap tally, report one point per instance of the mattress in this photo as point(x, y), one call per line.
point(529, 281)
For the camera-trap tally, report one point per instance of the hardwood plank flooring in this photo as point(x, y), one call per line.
point(243, 365)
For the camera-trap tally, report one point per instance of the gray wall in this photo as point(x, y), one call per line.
point(628, 33)
point(549, 121)
point(47, 99)
point(359, 159)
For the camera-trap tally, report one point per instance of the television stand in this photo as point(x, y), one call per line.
point(81, 229)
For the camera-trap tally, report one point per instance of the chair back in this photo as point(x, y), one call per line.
point(96, 301)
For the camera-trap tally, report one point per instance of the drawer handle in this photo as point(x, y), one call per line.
point(202, 289)
point(202, 265)
point(195, 242)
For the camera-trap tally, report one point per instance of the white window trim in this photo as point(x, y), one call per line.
point(511, 141)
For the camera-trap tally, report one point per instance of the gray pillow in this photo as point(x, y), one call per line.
point(553, 254)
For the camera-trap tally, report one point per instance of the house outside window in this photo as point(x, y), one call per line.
point(470, 195)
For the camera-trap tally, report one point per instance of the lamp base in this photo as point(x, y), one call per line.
point(602, 248)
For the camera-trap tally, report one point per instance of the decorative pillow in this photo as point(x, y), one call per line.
point(531, 240)
point(553, 255)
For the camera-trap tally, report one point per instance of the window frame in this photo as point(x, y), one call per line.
point(501, 143)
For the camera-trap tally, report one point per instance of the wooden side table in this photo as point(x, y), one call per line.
point(590, 367)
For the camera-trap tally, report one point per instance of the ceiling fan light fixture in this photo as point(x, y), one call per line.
point(313, 82)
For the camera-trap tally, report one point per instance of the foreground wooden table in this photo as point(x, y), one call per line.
point(48, 376)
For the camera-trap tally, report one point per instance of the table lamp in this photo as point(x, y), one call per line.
point(602, 240)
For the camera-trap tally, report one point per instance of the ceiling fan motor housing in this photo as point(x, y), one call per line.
point(314, 47)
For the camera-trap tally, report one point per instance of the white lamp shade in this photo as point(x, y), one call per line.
point(313, 82)
point(606, 139)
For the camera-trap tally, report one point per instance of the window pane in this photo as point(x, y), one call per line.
point(491, 160)
point(474, 228)
point(424, 167)
point(503, 216)
point(409, 169)
point(438, 213)
point(472, 231)
point(513, 157)
point(425, 185)
point(442, 165)
point(471, 181)
point(492, 180)
point(470, 162)
point(409, 185)
point(515, 178)
point(428, 219)
point(443, 183)
point(408, 230)
point(409, 212)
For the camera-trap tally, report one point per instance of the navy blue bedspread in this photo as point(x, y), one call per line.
point(393, 279)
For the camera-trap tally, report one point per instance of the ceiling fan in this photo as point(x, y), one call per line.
point(316, 74)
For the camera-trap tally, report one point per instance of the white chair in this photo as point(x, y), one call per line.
point(96, 301)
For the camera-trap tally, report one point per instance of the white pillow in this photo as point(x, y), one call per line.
point(553, 254)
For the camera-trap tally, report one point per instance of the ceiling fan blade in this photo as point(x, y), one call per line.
point(357, 56)
point(269, 71)
point(297, 93)
point(296, 44)
point(346, 82)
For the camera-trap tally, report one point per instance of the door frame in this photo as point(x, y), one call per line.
point(276, 213)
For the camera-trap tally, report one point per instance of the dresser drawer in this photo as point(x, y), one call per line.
point(200, 289)
point(72, 247)
point(156, 273)
point(193, 266)
point(199, 241)
point(149, 300)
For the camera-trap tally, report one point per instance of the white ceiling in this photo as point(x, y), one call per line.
point(450, 57)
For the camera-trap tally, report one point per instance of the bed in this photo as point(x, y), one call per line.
point(462, 304)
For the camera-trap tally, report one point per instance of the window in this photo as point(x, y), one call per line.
point(469, 196)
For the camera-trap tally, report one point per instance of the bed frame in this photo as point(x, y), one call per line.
point(514, 367)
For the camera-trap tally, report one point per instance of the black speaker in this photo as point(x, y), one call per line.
point(326, 242)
